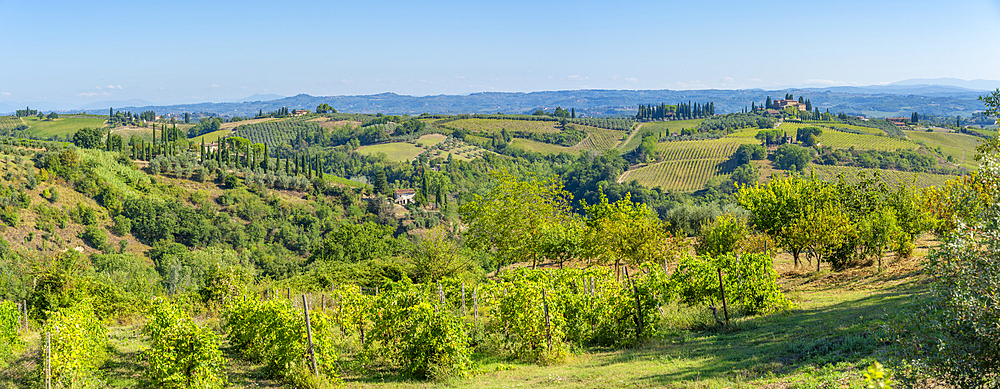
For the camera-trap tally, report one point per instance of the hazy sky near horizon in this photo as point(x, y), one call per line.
point(192, 51)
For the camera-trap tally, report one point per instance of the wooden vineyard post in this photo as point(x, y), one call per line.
point(24, 311)
point(638, 310)
point(475, 305)
point(722, 287)
point(440, 295)
point(309, 336)
point(464, 314)
point(48, 360)
point(548, 327)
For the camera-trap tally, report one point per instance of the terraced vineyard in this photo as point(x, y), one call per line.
point(495, 125)
point(600, 138)
point(890, 176)
point(10, 123)
point(688, 165)
point(960, 147)
point(843, 140)
point(274, 134)
point(682, 175)
point(720, 149)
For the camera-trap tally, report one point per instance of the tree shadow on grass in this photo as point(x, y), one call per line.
point(777, 344)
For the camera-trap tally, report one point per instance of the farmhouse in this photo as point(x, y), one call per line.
point(900, 122)
point(405, 196)
point(300, 112)
point(781, 104)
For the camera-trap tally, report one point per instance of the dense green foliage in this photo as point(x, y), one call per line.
point(956, 335)
point(735, 121)
point(182, 354)
point(273, 333)
point(78, 347)
point(10, 331)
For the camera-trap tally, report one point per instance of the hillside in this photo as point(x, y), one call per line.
point(595, 102)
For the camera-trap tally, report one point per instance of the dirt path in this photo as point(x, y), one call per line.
point(629, 139)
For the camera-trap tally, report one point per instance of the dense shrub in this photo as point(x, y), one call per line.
point(78, 345)
point(10, 327)
point(181, 354)
point(274, 333)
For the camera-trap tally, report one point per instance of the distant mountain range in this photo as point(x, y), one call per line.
point(883, 102)
point(259, 97)
point(945, 97)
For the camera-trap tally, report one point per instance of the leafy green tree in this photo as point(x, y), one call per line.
point(506, 219)
point(625, 232)
point(792, 157)
point(357, 242)
point(380, 183)
point(724, 236)
point(89, 138)
point(182, 354)
point(957, 333)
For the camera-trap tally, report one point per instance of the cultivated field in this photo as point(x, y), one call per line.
point(680, 175)
point(62, 127)
point(844, 140)
point(495, 125)
point(210, 137)
point(892, 177)
point(961, 147)
point(671, 126)
point(600, 138)
point(232, 125)
point(403, 151)
point(541, 147)
point(702, 149)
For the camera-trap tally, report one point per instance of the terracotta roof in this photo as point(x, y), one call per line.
point(405, 191)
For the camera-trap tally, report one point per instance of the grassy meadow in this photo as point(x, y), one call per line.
point(63, 126)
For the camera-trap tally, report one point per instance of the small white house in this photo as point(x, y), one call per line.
point(405, 196)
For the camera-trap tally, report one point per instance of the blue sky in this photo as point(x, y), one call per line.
point(190, 51)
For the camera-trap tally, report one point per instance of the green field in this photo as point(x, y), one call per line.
point(671, 126)
point(430, 140)
point(680, 175)
point(495, 125)
point(961, 147)
point(687, 165)
point(541, 147)
point(844, 140)
point(403, 151)
point(892, 177)
point(701, 149)
point(600, 138)
point(62, 127)
point(460, 150)
point(210, 137)
point(395, 152)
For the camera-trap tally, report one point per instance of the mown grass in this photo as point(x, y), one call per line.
point(826, 340)
point(61, 127)
point(961, 147)
point(541, 147)
point(395, 152)
point(671, 126)
point(210, 137)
